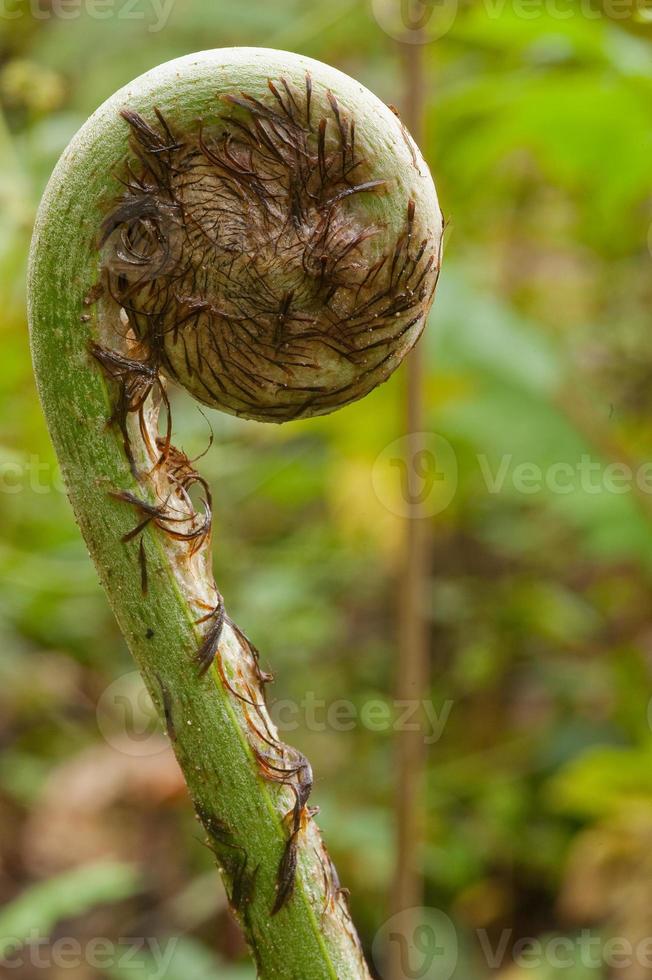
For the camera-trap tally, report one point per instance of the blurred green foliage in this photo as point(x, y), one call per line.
point(539, 133)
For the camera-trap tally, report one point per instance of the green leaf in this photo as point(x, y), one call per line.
point(39, 908)
point(179, 959)
point(602, 781)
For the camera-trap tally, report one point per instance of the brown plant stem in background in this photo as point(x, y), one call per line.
point(412, 663)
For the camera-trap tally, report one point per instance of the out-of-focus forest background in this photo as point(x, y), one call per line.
point(539, 352)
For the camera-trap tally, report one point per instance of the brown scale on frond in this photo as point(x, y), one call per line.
point(174, 513)
point(244, 254)
point(167, 703)
point(222, 842)
point(334, 894)
point(289, 767)
point(136, 380)
point(177, 517)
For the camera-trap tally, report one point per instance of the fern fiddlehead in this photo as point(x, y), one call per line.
point(259, 229)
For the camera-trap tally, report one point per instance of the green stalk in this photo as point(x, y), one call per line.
point(308, 932)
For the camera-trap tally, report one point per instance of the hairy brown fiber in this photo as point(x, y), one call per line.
point(247, 259)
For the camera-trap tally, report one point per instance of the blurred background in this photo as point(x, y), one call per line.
point(537, 493)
